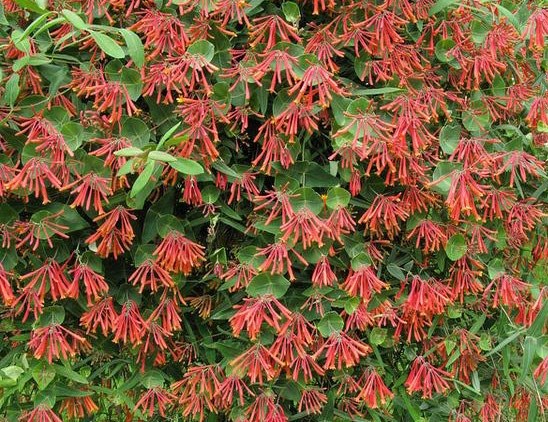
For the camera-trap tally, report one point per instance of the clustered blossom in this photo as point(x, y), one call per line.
point(264, 211)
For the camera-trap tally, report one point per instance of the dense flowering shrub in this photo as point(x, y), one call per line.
point(273, 211)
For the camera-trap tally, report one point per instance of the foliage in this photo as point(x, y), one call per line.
point(273, 211)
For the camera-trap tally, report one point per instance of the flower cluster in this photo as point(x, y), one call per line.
point(269, 211)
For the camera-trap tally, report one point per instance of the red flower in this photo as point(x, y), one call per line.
point(374, 392)
point(271, 29)
point(150, 274)
point(363, 282)
point(51, 275)
point(323, 275)
point(6, 292)
point(155, 397)
point(40, 413)
point(304, 227)
point(305, 366)
point(90, 187)
point(33, 176)
point(100, 314)
point(317, 80)
point(94, 284)
point(541, 371)
point(341, 349)
point(257, 362)
point(385, 211)
point(490, 411)
point(129, 324)
point(178, 254)
point(78, 407)
point(52, 341)
point(426, 378)
point(277, 259)
point(509, 291)
point(115, 233)
point(251, 315)
point(312, 401)
point(430, 234)
point(230, 385)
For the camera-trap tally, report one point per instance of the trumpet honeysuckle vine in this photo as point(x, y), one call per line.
point(269, 211)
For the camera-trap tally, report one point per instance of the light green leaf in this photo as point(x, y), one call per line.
point(268, 284)
point(135, 47)
point(142, 179)
point(161, 156)
point(449, 138)
point(203, 48)
point(186, 166)
point(337, 197)
point(291, 12)
point(74, 19)
point(108, 45)
point(12, 90)
point(330, 323)
point(456, 247)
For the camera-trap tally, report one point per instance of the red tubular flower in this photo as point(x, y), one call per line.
point(168, 311)
point(363, 282)
point(155, 397)
point(191, 192)
point(30, 233)
point(428, 297)
point(374, 392)
point(509, 291)
point(304, 227)
point(277, 259)
point(426, 378)
point(230, 385)
point(6, 292)
point(536, 28)
point(115, 233)
point(101, 314)
point(521, 163)
point(464, 275)
point(385, 25)
point(150, 274)
point(276, 61)
point(271, 29)
point(490, 411)
point(28, 301)
point(341, 349)
point(279, 200)
point(90, 187)
point(239, 275)
point(51, 275)
point(178, 254)
point(164, 33)
point(339, 223)
point(386, 211)
point(463, 192)
point(49, 141)
point(78, 407)
point(305, 366)
point(312, 401)
point(53, 342)
point(317, 80)
point(430, 234)
point(129, 324)
point(33, 176)
point(323, 275)
point(94, 284)
point(40, 413)
point(257, 363)
point(251, 315)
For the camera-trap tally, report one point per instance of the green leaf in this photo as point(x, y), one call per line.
point(440, 5)
point(268, 284)
point(131, 79)
point(291, 12)
point(456, 247)
point(161, 156)
point(34, 60)
point(441, 49)
point(13, 372)
point(129, 152)
point(12, 90)
point(30, 5)
point(108, 45)
point(52, 315)
point(43, 374)
point(136, 130)
point(449, 138)
point(307, 198)
point(395, 271)
point(70, 374)
point(142, 179)
point(377, 336)
point(330, 323)
point(186, 166)
point(203, 48)
point(442, 176)
point(74, 19)
point(152, 379)
point(495, 268)
point(376, 91)
point(135, 47)
point(337, 197)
